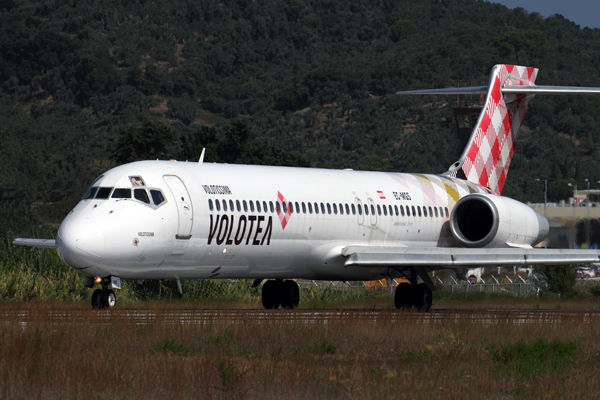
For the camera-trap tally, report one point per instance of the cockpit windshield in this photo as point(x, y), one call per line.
point(90, 193)
point(121, 193)
point(155, 199)
point(104, 193)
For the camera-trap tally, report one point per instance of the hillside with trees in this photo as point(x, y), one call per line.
point(305, 83)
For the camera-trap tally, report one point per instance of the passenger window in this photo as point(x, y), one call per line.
point(285, 208)
point(103, 193)
point(278, 207)
point(141, 195)
point(316, 208)
point(237, 205)
point(245, 205)
point(297, 208)
point(265, 206)
point(373, 210)
point(347, 209)
point(323, 209)
point(224, 205)
point(304, 207)
point(424, 211)
point(231, 205)
point(210, 205)
point(407, 211)
point(157, 197)
point(354, 210)
point(257, 205)
point(90, 193)
point(436, 211)
point(419, 210)
point(309, 208)
point(446, 208)
point(271, 206)
point(430, 212)
point(384, 210)
point(121, 194)
point(251, 206)
point(366, 210)
point(391, 210)
point(334, 208)
point(218, 205)
point(396, 210)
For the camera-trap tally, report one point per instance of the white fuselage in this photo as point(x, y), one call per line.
point(188, 235)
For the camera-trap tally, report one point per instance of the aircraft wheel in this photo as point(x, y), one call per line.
point(289, 295)
point(421, 298)
point(108, 299)
point(96, 299)
point(270, 294)
point(401, 295)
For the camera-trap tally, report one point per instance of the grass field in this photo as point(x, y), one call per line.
point(79, 356)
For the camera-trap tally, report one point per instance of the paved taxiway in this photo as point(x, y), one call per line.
point(243, 316)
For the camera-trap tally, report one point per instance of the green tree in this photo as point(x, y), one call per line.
point(402, 28)
point(153, 141)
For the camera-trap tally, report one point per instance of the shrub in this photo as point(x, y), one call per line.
point(561, 279)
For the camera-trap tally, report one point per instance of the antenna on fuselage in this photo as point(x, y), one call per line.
point(201, 160)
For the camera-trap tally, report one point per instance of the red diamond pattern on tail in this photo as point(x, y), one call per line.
point(284, 217)
point(490, 151)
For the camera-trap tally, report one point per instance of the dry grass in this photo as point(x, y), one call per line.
point(80, 356)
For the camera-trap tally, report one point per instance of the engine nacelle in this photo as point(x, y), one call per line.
point(485, 220)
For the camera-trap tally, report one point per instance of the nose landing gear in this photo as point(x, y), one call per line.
point(105, 297)
point(279, 292)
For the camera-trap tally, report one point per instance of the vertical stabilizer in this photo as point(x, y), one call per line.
point(488, 154)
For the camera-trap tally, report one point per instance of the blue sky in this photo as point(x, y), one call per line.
point(582, 12)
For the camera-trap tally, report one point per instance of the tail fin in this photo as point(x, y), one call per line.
point(488, 154)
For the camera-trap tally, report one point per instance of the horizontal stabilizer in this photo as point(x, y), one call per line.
point(49, 243)
point(511, 89)
point(458, 256)
point(515, 89)
point(463, 90)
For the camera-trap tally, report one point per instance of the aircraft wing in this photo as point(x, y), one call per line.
point(50, 243)
point(449, 257)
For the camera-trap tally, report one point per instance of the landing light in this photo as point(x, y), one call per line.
point(98, 279)
point(224, 250)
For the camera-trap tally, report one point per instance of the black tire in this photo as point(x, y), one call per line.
point(108, 299)
point(422, 298)
point(289, 295)
point(96, 299)
point(270, 295)
point(401, 295)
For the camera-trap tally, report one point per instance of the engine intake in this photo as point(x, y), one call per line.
point(485, 220)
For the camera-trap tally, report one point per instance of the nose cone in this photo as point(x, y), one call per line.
point(80, 242)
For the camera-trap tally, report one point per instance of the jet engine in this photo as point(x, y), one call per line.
point(486, 220)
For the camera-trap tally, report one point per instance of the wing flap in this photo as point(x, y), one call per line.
point(448, 257)
point(49, 243)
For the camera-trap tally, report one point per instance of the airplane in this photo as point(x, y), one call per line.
point(196, 220)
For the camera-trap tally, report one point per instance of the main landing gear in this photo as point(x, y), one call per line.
point(413, 295)
point(277, 292)
point(102, 298)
